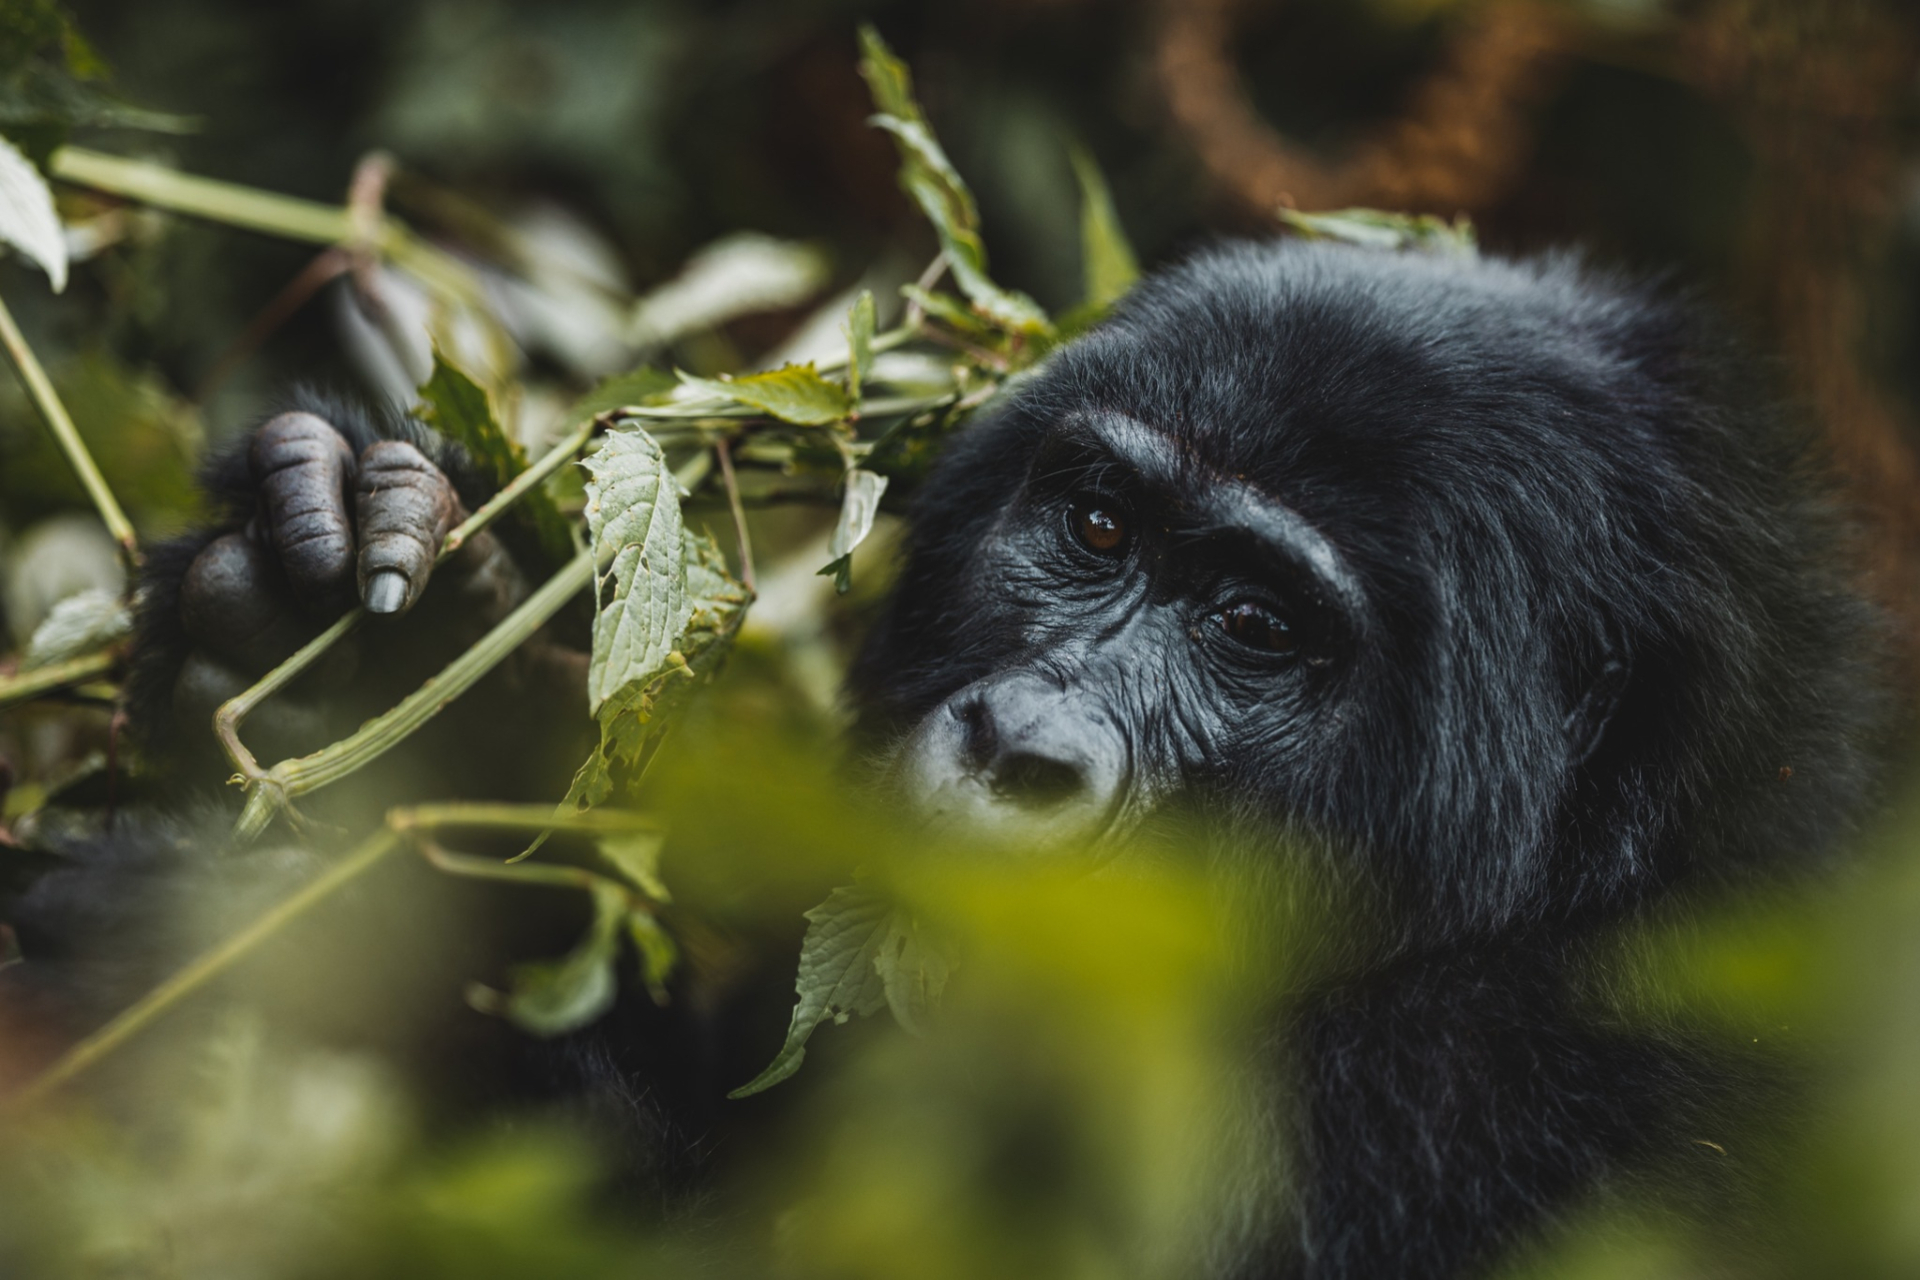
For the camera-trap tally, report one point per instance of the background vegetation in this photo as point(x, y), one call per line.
point(586, 188)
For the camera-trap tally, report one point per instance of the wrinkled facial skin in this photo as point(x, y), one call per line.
point(1167, 619)
point(1504, 578)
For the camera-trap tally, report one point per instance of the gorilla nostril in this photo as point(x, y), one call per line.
point(978, 739)
point(1036, 782)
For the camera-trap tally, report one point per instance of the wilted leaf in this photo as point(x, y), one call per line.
point(930, 178)
point(27, 219)
point(553, 997)
point(640, 581)
point(839, 974)
point(637, 387)
point(857, 510)
point(81, 624)
point(460, 409)
point(1107, 259)
point(796, 393)
point(861, 323)
point(1375, 229)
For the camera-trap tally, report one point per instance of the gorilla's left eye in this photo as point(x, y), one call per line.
point(1257, 627)
point(1099, 525)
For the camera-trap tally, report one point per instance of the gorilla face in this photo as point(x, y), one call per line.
point(1501, 576)
point(1162, 617)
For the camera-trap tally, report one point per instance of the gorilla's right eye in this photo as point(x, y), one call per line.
point(1098, 524)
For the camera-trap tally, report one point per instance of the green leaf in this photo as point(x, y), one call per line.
point(861, 322)
point(796, 393)
point(1107, 259)
point(624, 390)
point(553, 997)
point(632, 722)
point(858, 506)
point(658, 954)
point(460, 409)
point(1376, 229)
point(27, 219)
point(914, 971)
point(80, 624)
point(640, 579)
point(636, 855)
point(936, 186)
point(839, 974)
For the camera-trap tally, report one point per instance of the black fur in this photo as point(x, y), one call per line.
point(1601, 650)
point(1583, 644)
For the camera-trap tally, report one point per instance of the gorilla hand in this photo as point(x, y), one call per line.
point(331, 528)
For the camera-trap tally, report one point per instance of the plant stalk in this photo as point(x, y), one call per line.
point(47, 401)
point(31, 684)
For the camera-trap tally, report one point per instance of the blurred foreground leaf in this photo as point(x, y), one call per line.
point(1376, 229)
point(78, 625)
point(1107, 259)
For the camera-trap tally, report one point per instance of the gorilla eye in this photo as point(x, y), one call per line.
point(1257, 627)
point(1098, 525)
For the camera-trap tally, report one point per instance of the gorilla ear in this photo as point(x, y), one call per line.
point(1586, 724)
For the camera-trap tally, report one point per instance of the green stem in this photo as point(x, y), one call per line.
point(381, 734)
point(517, 817)
point(145, 1011)
point(47, 401)
point(31, 684)
point(261, 803)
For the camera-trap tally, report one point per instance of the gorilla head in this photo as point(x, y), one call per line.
point(1503, 577)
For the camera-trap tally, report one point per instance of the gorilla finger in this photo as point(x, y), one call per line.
point(233, 602)
point(303, 468)
point(405, 506)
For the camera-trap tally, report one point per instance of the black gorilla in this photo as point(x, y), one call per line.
point(1502, 584)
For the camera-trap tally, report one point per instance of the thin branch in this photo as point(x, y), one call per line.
point(291, 778)
point(328, 266)
point(31, 684)
point(724, 452)
point(47, 401)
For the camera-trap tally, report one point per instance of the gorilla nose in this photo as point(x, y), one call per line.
point(1018, 758)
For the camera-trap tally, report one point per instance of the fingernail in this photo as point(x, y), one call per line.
point(386, 591)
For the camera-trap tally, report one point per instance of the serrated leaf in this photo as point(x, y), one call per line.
point(936, 186)
point(80, 624)
point(861, 322)
point(636, 387)
point(839, 975)
point(27, 218)
point(796, 393)
point(640, 578)
point(1378, 229)
point(859, 504)
point(460, 409)
point(1107, 260)
point(631, 723)
point(553, 997)
point(636, 855)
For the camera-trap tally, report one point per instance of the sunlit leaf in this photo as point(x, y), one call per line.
point(1376, 229)
point(80, 624)
point(553, 997)
point(796, 393)
point(861, 323)
point(640, 581)
point(460, 409)
point(1107, 259)
point(27, 219)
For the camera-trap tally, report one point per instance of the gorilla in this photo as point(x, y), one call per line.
point(1500, 588)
